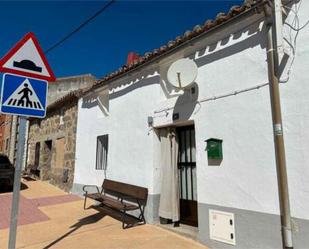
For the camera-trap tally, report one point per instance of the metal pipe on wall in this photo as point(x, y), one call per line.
point(286, 224)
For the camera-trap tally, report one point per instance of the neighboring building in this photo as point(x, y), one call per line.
point(2, 128)
point(56, 90)
point(9, 133)
point(51, 142)
point(5, 130)
point(64, 85)
point(132, 122)
point(13, 137)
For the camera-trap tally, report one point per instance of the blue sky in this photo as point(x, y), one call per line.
point(101, 46)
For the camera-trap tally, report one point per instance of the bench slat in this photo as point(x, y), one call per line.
point(118, 205)
point(112, 202)
point(95, 196)
point(129, 190)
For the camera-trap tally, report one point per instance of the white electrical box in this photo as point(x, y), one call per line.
point(222, 226)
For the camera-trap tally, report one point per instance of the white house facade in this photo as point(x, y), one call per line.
point(229, 102)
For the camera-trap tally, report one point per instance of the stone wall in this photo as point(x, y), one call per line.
point(58, 126)
point(6, 133)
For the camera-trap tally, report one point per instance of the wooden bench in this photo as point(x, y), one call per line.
point(120, 197)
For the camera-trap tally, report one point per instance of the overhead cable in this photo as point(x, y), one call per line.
point(100, 11)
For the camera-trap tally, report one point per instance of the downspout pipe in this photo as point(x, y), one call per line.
point(286, 224)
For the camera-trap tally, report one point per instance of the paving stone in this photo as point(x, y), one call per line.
point(59, 221)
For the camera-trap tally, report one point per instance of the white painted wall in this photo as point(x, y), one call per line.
point(130, 155)
point(295, 108)
point(228, 61)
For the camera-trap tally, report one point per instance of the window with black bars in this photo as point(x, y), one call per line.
point(102, 151)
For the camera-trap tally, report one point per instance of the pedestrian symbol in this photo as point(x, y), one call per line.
point(23, 96)
point(25, 91)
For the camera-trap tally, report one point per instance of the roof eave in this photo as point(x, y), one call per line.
point(103, 83)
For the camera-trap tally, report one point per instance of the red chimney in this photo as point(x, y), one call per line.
point(132, 57)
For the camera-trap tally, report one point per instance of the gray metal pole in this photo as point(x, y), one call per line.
point(17, 179)
point(286, 225)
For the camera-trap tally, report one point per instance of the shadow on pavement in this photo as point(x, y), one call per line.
point(7, 189)
point(82, 222)
point(29, 179)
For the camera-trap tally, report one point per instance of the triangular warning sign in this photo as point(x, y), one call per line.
point(27, 59)
point(25, 97)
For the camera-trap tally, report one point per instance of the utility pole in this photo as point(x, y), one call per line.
point(272, 59)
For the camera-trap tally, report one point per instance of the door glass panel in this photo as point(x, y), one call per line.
point(179, 182)
point(183, 184)
point(187, 134)
point(189, 184)
point(194, 184)
point(193, 151)
point(183, 148)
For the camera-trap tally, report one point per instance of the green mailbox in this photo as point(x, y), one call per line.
point(214, 148)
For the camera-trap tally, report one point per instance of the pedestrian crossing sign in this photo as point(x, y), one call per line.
point(23, 96)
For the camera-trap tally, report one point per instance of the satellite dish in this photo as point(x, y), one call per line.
point(182, 73)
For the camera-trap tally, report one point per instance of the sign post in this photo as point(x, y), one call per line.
point(23, 93)
point(17, 180)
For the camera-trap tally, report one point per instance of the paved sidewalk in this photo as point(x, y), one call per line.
point(57, 220)
point(29, 211)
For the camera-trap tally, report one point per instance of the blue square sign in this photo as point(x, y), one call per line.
point(23, 96)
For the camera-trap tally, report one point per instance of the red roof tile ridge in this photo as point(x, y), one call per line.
point(187, 36)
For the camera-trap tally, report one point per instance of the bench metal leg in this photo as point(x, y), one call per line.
point(123, 221)
point(124, 225)
point(85, 202)
point(142, 217)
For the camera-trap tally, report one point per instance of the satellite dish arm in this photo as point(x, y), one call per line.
point(173, 93)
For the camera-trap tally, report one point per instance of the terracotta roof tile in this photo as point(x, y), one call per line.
point(235, 10)
point(189, 34)
point(197, 29)
point(155, 52)
point(65, 99)
point(209, 24)
point(178, 39)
